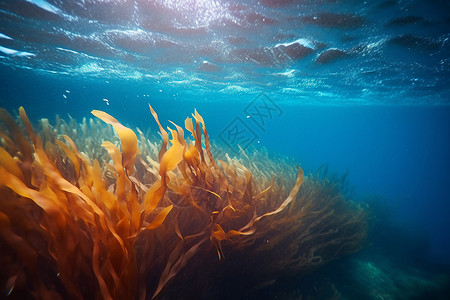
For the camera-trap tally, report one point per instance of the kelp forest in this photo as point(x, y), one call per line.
point(97, 210)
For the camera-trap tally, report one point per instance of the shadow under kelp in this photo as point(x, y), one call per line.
point(158, 221)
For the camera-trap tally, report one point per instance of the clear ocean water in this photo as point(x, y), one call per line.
point(360, 86)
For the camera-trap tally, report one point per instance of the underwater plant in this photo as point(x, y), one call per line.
point(88, 215)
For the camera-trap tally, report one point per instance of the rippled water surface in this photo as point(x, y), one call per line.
point(301, 51)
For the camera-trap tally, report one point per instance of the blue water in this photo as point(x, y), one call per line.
point(361, 86)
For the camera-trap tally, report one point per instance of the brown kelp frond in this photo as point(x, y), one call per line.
point(86, 222)
point(119, 218)
point(127, 137)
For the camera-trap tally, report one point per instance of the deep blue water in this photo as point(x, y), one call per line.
point(361, 86)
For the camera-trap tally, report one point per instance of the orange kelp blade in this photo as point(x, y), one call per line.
point(164, 133)
point(127, 137)
point(247, 229)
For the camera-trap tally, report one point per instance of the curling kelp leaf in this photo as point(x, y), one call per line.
point(71, 155)
point(127, 137)
point(169, 161)
point(249, 229)
point(20, 142)
point(176, 262)
point(10, 164)
point(292, 194)
point(20, 188)
point(159, 219)
point(199, 119)
point(26, 121)
point(153, 196)
point(164, 133)
point(172, 157)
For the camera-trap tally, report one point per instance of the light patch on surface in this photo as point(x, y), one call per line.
point(235, 89)
point(288, 73)
point(13, 52)
point(304, 42)
point(200, 12)
point(291, 91)
point(376, 44)
point(4, 36)
point(180, 82)
point(236, 76)
point(45, 6)
point(131, 33)
point(67, 50)
point(90, 68)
